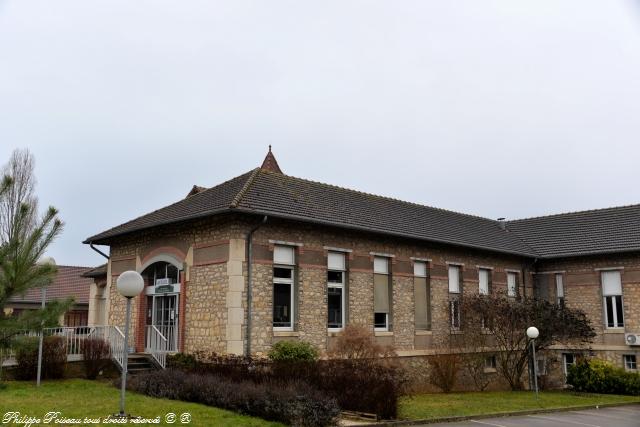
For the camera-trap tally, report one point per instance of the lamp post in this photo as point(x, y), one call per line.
point(532, 333)
point(129, 284)
point(43, 291)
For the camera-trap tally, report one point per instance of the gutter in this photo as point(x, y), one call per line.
point(250, 283)
point(98, 250)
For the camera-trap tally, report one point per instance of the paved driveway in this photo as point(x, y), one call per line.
point(619, 416)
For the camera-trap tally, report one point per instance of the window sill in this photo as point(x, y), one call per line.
point(383, 333)
point(613, 331)
point(456, 332)
point(419, 332)
point(334, 332)
point(286, 333)
point(490, 370)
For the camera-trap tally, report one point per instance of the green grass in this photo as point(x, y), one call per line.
point(83, 398)
point(428, 406)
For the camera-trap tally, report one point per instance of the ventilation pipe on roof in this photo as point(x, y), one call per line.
point(502, 223)
point(250, 282)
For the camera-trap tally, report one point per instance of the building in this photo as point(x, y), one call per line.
point(266, 257)
point(69, 282)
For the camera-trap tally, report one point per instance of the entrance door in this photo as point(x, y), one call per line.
point(164, 316)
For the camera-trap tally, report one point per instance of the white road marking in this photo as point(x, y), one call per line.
point(487, 424)
point(598, 414)
point(560, 420)
point(628, 411)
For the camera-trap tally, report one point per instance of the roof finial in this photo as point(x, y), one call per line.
point(270, 163)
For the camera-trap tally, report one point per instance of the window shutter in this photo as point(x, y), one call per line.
point(381, 293)
point(611, 283)
point(454, 279)
point(335, 261)
point(283, 255)
point(421, 299)
point(483, 281)
point(559, 286)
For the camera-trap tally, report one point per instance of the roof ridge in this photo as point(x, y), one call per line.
point(238, 198)
point(379, 196)
point(574, 212)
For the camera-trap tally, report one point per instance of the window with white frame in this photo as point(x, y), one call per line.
point(483, 281)
point(455, 289)
point(283, 287)
point(612, 295)
point(381, 287)
point(422, 296)
point(490, 363)
point(512, 284)
point(336, 268)
point(559, 289)
point(630, 362)
point(568, 359)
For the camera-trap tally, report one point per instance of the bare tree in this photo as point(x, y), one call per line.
point(19, 192)
point(507, 320)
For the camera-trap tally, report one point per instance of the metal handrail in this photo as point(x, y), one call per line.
point(157, 345)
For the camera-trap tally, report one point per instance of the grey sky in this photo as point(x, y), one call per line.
point(496, 108)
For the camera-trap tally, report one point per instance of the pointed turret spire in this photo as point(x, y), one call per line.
point(270, 163)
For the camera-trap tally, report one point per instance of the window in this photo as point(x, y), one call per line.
point(422, 296)
point(483, 281)
point(568, 359)
point(454, 279)
point(490, 363)
point(512, 284)
point(559, 290)
point(612, 294)
point(454, 296)
point(630, 362)
point(164, 274)
point(336, 267)
point(541, 366)
point(381, 293)
point(283, 288)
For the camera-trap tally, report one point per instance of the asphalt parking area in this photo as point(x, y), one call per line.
point(618, 416)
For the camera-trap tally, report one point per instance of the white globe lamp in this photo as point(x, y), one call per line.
point(532, 332)
point(130, 284)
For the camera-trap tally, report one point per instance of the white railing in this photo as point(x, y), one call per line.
point(74, 337)
point(157, 344)
point(115, 337)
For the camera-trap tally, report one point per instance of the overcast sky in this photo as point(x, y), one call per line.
point(495, 108)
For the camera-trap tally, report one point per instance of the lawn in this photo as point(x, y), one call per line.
point(426, 406)
point(83, 398)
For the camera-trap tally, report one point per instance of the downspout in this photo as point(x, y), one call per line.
point(250, 282)
point(98, 250)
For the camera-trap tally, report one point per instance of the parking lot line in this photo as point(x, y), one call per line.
point(561, 420)
point(599, 414)
point(487, 424)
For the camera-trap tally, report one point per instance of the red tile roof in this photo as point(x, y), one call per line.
point(68, 283)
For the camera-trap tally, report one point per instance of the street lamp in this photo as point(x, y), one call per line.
point(43, 291)
point(129, 284)
point(532, 333)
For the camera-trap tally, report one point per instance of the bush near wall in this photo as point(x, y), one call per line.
point(358, 377)
point(54, 357)
point(598, 376)
point(293, 403)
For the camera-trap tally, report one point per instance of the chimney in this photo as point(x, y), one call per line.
point(502, 223)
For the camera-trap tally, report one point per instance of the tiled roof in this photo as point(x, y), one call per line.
point(582, 233)
point(268, 193)
point(98, 271)
point(69, 282)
